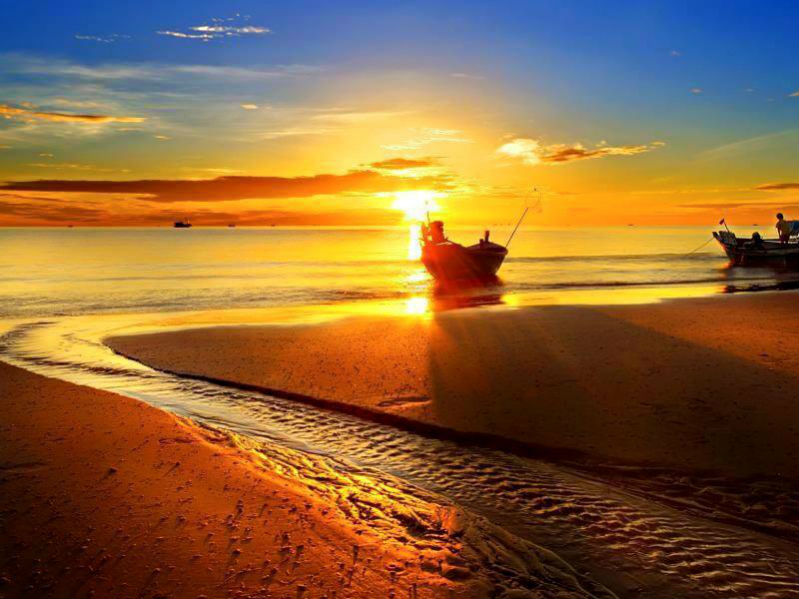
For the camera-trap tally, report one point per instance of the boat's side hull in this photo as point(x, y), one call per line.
point(769, 254)
point(454, 262)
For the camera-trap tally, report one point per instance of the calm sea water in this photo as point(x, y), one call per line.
point(61, 271)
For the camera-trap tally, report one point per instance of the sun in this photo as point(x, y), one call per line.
point(415, 204)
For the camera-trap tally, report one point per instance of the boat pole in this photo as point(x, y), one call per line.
point(521, 218)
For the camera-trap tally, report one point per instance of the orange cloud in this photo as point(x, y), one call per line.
point(777, 186)
point(240, 188)
point(13, 112)
point(403, 163)
point(31, 210)
point(50, 212)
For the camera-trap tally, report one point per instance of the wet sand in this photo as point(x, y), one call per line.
point(102, 495)
point(701, 384)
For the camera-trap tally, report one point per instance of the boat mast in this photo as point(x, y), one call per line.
point(521, 218)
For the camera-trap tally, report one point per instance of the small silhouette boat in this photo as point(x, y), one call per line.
point(447, 260)
point(182, 224)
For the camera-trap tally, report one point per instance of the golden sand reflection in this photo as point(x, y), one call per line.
point(417, 306)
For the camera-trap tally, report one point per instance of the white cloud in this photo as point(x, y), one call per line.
point(358, 116)
point(296, 132)
point(229, 31)
point(696, 90)
point(59, 166)
point(32, 65)
point(526, 149)
point(103, 39)
point(218, 29)
point(190, 36)
point(244, 72)
point(533, 152)
point(249, 106)
point(750, 145)
point(427, 136)
point(466, 76)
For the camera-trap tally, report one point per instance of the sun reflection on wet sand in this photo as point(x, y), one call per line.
point(417, 306)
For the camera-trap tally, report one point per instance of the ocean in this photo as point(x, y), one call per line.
point(79, 271)
point(63, 291)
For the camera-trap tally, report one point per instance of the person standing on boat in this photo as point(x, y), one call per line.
point(783, 228)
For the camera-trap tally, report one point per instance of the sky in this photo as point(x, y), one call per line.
point(325, 113)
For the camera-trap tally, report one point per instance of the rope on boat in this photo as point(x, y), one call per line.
point(700, 247)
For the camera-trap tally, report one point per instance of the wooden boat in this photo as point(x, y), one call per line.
point(757, 251)
point(447, 260)
point(182, 224)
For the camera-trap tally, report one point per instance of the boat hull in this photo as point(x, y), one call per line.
point(742, 252)
point(450, 261)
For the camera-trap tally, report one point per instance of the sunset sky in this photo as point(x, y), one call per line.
point(674, 112)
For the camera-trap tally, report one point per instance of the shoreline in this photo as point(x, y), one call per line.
point(415, 374)
point(132, 500)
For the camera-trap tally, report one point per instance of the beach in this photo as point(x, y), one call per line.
point(104, 496)
point(697, 384)
point(528, 451)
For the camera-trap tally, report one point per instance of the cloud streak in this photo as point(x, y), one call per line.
point(102, 39)
point(403, 163)
point(427, 136)
point(28, 114)
point(777, 186)
point(532, 151)
point(239, 188)
point(218, 29)
point(110, 72)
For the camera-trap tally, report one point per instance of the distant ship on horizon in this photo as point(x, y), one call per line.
point(182, 224)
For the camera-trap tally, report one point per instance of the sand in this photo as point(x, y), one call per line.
point(702, 384)
point(102, 495)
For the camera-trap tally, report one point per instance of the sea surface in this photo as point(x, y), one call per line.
point(72, 271)
point(626, 532)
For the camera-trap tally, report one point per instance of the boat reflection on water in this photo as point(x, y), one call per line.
point(466, 293)
point(762, 276)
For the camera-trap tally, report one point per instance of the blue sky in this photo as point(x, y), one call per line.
point(333, 86)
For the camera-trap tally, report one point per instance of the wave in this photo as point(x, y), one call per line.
point(643, 283)
point(697, 257)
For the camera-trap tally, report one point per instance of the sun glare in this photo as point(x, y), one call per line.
point(417, 306)
point(415, 205)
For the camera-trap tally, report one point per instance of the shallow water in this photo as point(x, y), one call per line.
point(625, 536)
point(62, 271)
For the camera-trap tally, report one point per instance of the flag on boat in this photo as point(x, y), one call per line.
point(722, 221)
